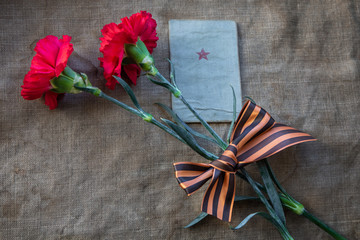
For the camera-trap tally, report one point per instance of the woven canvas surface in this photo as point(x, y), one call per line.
point(89, 170)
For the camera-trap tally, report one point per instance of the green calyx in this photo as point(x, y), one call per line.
point(93, 90)
point(292, 204)
point(139, 54)
point(67, 80)
point(147, 65)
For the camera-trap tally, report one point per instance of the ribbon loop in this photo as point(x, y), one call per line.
point(256, 136)
point(191, 176)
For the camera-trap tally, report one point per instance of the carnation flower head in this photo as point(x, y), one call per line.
point(49, 75)
point(49, 62)
point(140, 26)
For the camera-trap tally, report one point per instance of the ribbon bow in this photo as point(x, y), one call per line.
point(256, 136)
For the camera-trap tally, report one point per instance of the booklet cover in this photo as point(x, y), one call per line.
point(206, 61)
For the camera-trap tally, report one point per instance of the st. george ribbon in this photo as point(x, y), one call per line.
point(256, 136)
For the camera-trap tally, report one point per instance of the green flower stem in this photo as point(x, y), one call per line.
point(142, 115)
point(286, 235)
point(286, 200)
point(323, 226)
point(221, 142)
point(120, 104)
point(277, 222)
point(166, 129)
point(296, 207)
point(145, 116)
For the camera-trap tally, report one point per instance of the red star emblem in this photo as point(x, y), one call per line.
point(203, 54)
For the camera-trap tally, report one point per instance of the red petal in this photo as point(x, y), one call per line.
point(132, 72)
point(131, 36)
point(144, 26)
point(31, 94)
point(51, 99)
point(111, 62)
point(65, 50)
point(108, 31)
point(47, 50)
point(35, 84)
point(50, 60)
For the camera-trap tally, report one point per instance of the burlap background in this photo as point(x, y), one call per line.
point(89, 170)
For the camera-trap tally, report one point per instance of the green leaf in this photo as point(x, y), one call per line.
point(285, 234)
point(244, 198)
point(172, 73)
point(181, 123)
point(166, 129)
point(129, 91)
point(162, 83)
point(272, 175)
point(234, 115)
point(247, 219)
point(271, 190)
point(250, 99)
point(221, 142)
point(259, 193)
point(242, 176)
point(190, 140)
point(201, 216)
point(121, 104)
point(278, 223)
point(175, 91)
point(257, 190)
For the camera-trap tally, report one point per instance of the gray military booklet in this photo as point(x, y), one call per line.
point(206, 61)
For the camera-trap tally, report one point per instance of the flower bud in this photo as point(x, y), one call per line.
point(141, 56)
point(66, 81)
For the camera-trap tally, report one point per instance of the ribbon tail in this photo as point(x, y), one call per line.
point(219, 197)
point(271, 142)
point(191, 176)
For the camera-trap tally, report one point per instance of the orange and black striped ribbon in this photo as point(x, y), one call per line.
point(256, 136)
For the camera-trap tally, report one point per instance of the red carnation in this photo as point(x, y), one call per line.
point(139, 26)
point(50, 60)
